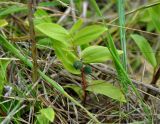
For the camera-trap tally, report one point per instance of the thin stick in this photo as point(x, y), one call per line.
point(138, 9)
point(33, 41)
point(153, 82)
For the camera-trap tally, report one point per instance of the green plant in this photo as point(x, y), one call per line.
point(146, 49)
point(3, 70)
point(45, 116)
point(3, 22)
point(70, 53)
point(65, 44)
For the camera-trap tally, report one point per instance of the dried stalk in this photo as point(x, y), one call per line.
point(33, 40)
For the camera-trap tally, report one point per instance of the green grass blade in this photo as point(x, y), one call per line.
point(111, 46)
point(121, 13)
point(95, 6)
point(13, 9)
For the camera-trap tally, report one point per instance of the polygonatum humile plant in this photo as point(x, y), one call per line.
point(72, 47)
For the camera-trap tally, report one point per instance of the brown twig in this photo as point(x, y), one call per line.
point(33, 41)
point(21, 23)
point(110, 71)
point(153, 83)
point(2, 113)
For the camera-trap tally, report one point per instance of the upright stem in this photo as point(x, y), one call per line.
point(84, 85)
point(33, 41)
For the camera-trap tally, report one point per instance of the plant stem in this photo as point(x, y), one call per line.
point(33, 41)
point(84, 85)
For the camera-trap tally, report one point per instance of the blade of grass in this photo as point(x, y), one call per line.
point(122, 74)
point(13, 112)
point(121, 13)
point(112, 48)
point(16, 52)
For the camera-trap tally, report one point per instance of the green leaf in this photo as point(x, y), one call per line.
point(67, 58)
point(3, 23)
point(51, 43)
point(155, 21)
point(154, 14)
point(96, 54)
point(107, 89)
point(41, 16)
point(48, 113)
point(41, 119)
point(76, 26)
point(12, 9)
point(88, 34)
point(54, 31)
point(3, 72)
point(145, 48)
point(45, 42)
